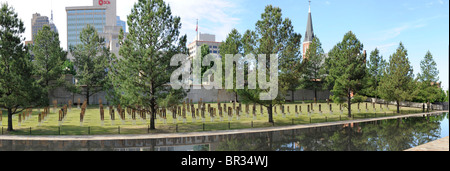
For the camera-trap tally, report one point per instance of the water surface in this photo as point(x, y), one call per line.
point(383, 135)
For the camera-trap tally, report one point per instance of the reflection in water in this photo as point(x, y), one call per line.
point(385, 135)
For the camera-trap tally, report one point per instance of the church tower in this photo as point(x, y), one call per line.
point(309, 35)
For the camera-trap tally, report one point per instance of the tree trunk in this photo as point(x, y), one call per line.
point(235, 97)
point(315, 95)
point(152, 118)
point(293, 99)
point(269, 111)
point(87, 95)
point(10, 123)
point(349, 103)
point(398, 106)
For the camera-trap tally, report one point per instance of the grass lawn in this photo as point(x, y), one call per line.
point(93, 125)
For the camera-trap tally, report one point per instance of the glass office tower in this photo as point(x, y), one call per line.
point(102, 15)
point(77, 19)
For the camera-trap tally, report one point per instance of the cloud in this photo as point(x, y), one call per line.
point(398, 30)
point(385, 48)
point(215, 16)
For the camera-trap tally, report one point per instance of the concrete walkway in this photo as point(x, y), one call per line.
point(197, 134)
point(438, 145)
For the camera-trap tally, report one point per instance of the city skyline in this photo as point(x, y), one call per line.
point(421, 25)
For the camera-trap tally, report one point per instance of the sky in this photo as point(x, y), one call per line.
point(421, 25)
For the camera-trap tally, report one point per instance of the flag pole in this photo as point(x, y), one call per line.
point(198, 36)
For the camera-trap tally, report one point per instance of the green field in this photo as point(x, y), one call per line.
point(93, 125)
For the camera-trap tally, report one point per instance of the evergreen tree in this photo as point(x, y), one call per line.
point(91, 59)
point(397, 83)
point(143, 73)
point(274, 36)
point(232, 45)
point(313, 77)
point(428, 89)
point(48, 58)
point(204, 50)
point(347, 68)
point(18, 89)
point(291, 64)
point(375, 67)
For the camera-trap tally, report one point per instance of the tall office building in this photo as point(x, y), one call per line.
point(102, 15)
point(37, 22)
point(208, 39)
point(122, 24)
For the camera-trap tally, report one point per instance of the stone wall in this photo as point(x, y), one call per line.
point(434, 106)
point(62, 95)
point(301, 95)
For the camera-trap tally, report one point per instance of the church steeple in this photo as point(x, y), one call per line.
point(309, 35)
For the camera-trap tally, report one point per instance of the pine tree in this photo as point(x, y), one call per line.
point(428, 90)
point(48, 58)
point(272, 39)
point(375, 67)
point(397, 83)
point(18, 88)
point(143, 73)
point(313, 77)
point(347, 68)
point(91, 59)
point(232, 45)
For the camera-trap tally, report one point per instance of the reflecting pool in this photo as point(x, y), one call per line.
point(382, 135)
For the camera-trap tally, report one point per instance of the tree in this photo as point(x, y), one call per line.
point(347, 68)
point(397, 83)
point(48, 58)
point(68, 68)
point(291, 64)
point(18, 89)
point(428, 89)
point(204, 50)
point(271, 40)
point(232, 45)
point(143, 73)
point(91, 59)
point(375, 67)
point(313, 77)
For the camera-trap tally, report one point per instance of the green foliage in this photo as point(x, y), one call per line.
point(291, 64)
point(48, 58)
point(91, 59)
point(272, 35)
point(141, 76)
point(68, 68)
point(346, 69)
point(204, 50)
point(375, 68)
point(314, 69)
point(232, 45)
point(18, 88)
point(428, 91)
point(397, 83)
point(446, 97)
point(359, 98)
point(443, 96)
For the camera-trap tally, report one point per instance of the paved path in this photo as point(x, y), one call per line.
point(438, 145)
point(196, 134)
